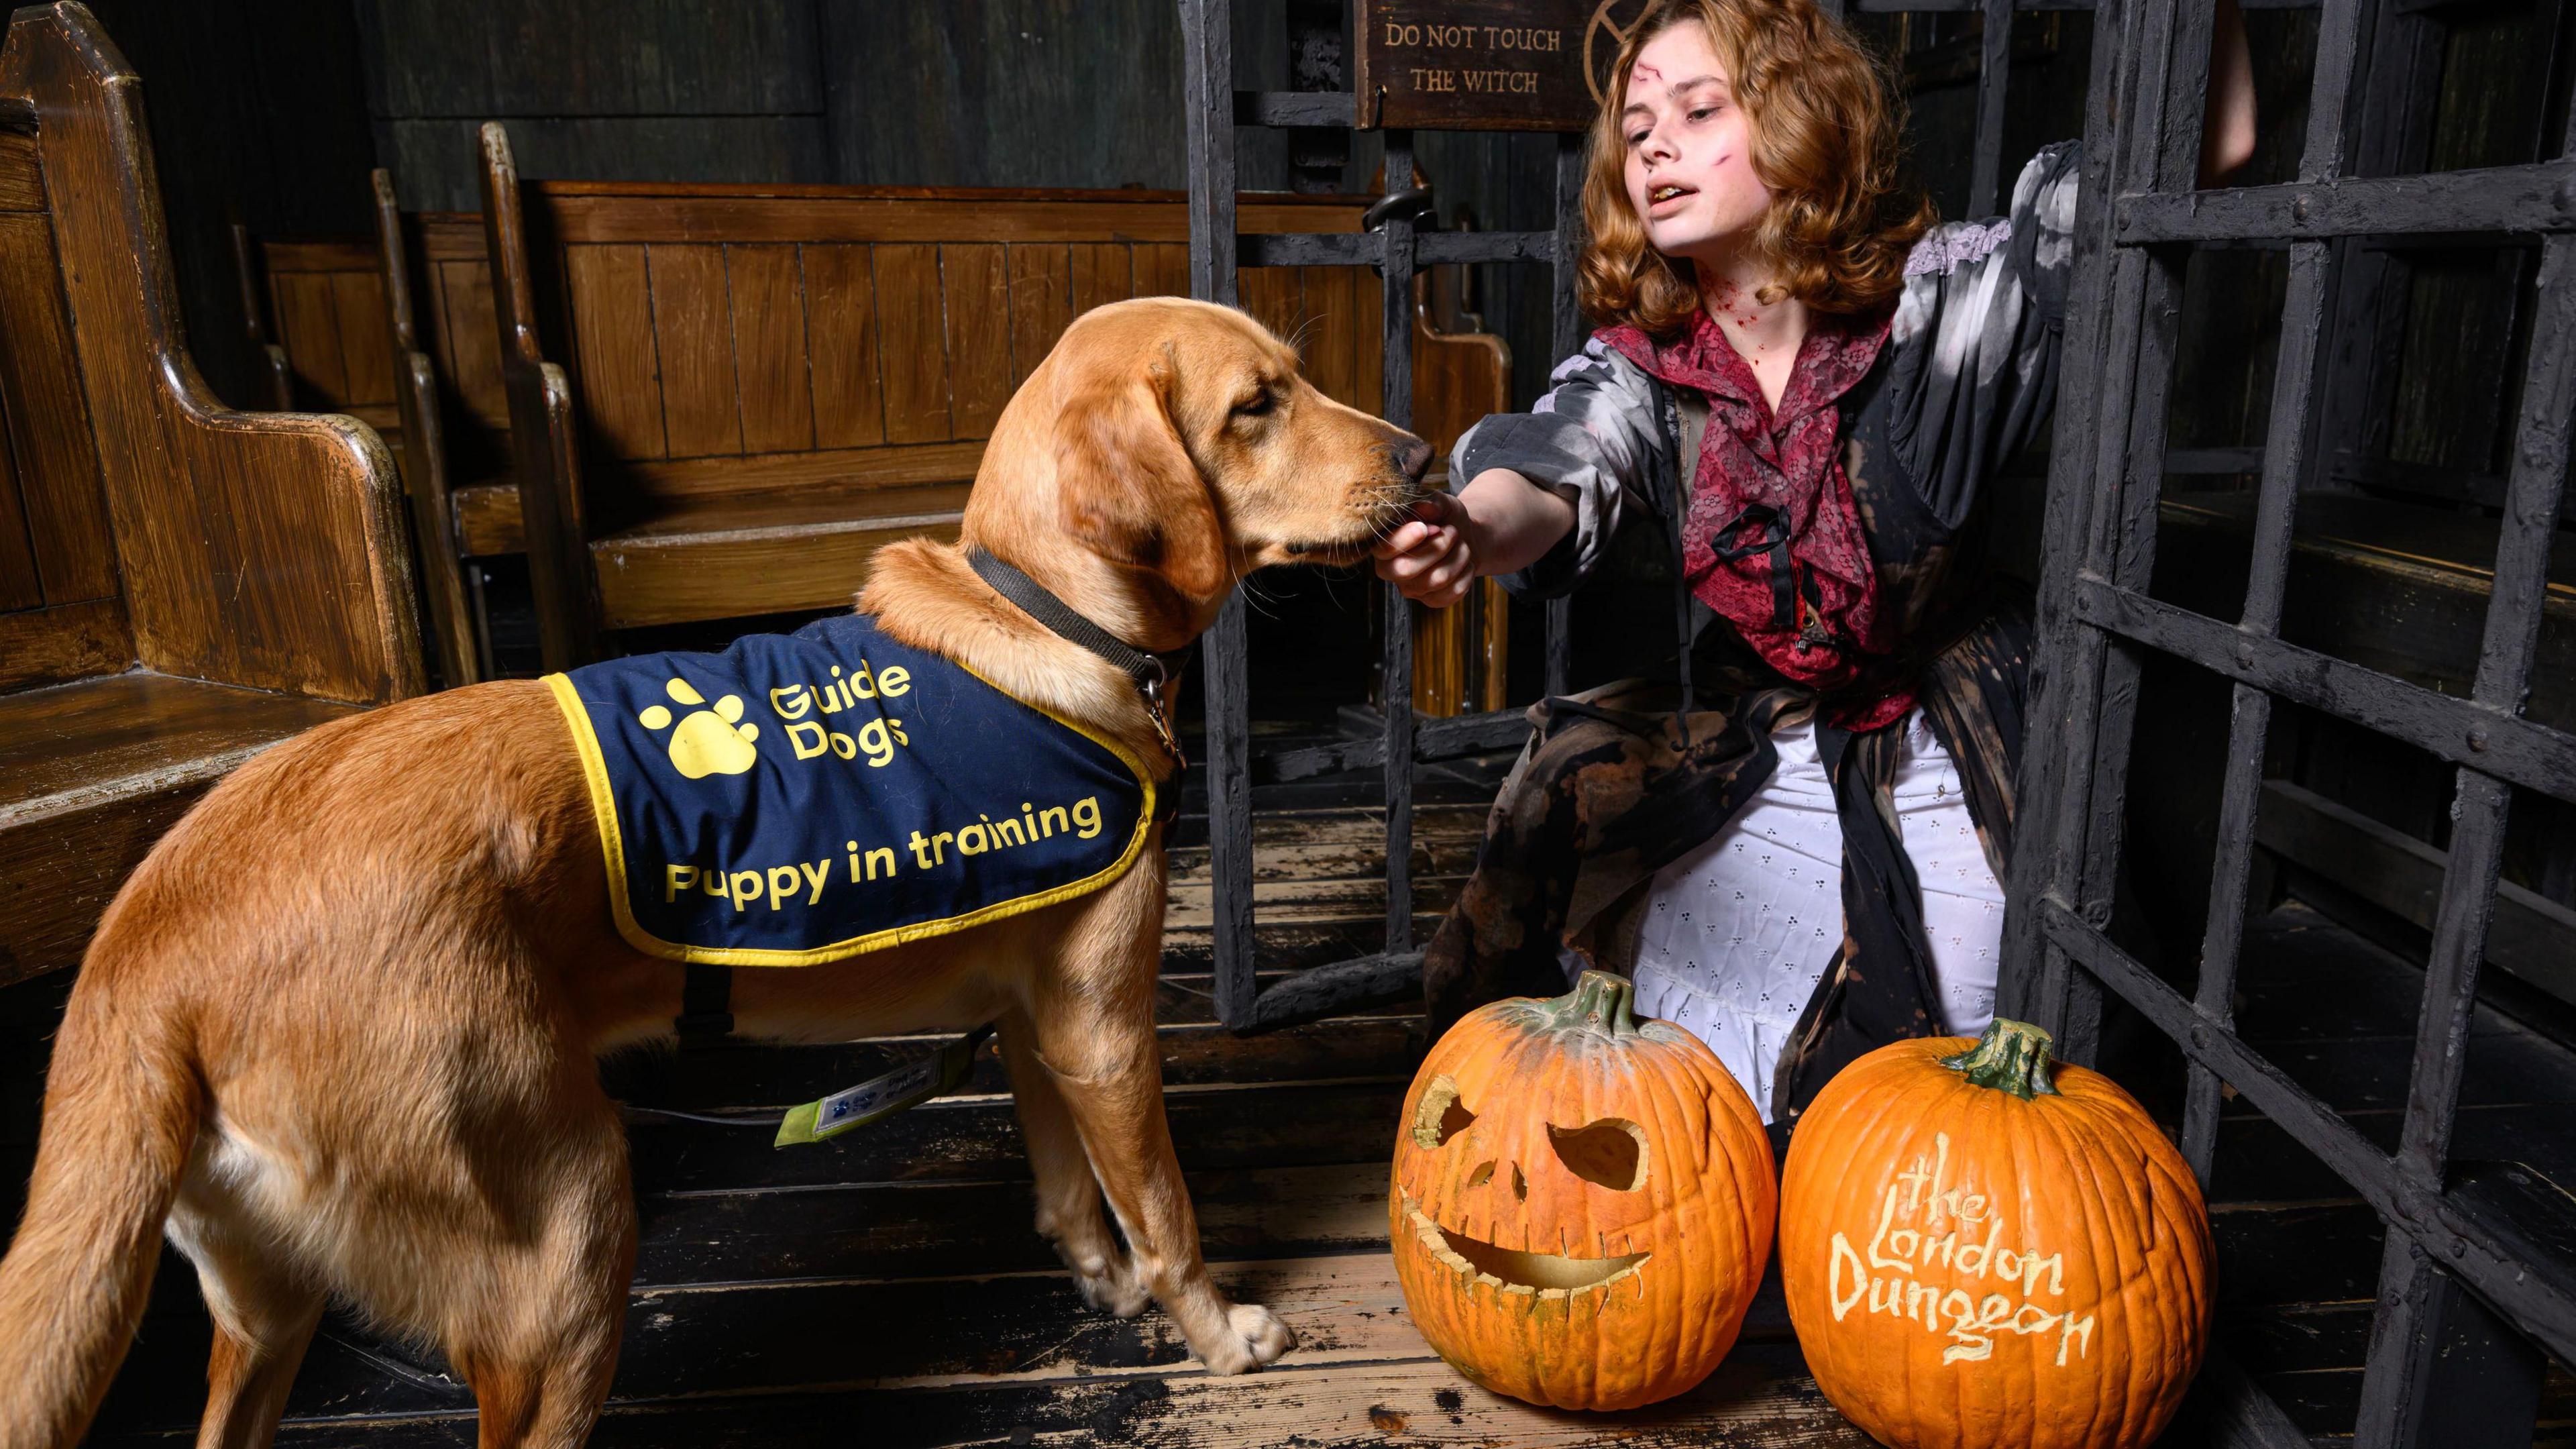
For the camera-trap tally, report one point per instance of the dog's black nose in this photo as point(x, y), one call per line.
point(1410, 457)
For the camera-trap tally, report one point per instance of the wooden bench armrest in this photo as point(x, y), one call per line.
point(259, 549)
point(425, 482)
point(545, 451)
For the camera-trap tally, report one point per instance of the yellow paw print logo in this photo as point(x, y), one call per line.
point(709, 742)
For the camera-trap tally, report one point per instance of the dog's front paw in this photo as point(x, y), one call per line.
point(1112, 1288)
point(1254, 1336)
point(1109, 1283)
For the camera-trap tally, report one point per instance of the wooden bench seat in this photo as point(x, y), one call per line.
point(181, 585)
point(727, 554)
point(91, 774)
point(486, 518)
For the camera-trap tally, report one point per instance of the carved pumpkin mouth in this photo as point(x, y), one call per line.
point(1515, 1270)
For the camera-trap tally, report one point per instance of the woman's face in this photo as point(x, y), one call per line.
point(1689, 149)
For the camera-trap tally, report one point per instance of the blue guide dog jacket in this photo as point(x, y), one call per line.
point(806, 797)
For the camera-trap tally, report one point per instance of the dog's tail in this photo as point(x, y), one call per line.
point(122, 1107)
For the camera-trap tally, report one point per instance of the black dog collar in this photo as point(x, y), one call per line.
point(1154, 673)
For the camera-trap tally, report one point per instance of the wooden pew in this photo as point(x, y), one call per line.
point(277, 383)
point(340, 319)
point(436, 288)
point(181, 584)
point(723, 399)
point(317, 304)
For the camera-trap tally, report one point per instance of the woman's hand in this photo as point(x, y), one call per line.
point(1430, 556)
point(1500, 524)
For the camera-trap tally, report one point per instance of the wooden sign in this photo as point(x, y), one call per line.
point(1487, 65)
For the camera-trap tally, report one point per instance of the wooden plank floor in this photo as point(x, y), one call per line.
point(888, 1288)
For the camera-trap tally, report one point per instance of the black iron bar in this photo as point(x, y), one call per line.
point(1311, 249)
point(2120, 528)
point(2287, 438)
point(1397, 271)
point(1436, 739)
point(2097, 624)
point(2518, 199)
point(1353, 249)
point(1994, 78)
point(2540, 1296)
point(1207, 102)
point(2163, 152)
point(1342, 986)
point(1566, 318)
point(2392, 136)
point(1212, 109)
point(2032, 976)
point(2241, 790)
point(2397, 1373)
point(1207, 116)
point(2461, 731)
point(2413, 1307)
point(1566, 331)
point(1438, 248)
point(1292, 108)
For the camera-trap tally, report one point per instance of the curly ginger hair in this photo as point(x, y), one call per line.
point(1826, 139)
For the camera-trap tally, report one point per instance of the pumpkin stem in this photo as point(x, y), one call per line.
point(2012, 1056)
point(1600, 999)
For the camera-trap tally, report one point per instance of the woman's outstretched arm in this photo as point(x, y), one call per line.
point(1500, 523)
point(2227, 128)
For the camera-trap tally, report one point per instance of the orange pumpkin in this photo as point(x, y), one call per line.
point(1581, 1205)
point(1979, 1250)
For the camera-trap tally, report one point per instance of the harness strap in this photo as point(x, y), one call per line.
point(706, 1005)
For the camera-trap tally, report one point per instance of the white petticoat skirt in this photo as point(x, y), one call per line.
point(1738, 932)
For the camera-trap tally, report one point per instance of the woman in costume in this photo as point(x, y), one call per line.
point(1799, 391)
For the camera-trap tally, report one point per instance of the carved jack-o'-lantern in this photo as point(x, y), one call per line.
point(1979, 1250)
point(1582, 1205)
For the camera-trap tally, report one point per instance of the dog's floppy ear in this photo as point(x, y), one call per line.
point(1129, 491)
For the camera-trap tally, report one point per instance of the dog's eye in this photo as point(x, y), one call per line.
point(1255, 406)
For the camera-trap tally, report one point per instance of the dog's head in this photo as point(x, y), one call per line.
point(1175, 443)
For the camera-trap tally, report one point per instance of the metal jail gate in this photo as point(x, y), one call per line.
point(2476, 1270)
point(1213, 108)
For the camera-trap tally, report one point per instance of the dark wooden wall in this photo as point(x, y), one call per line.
point(978, 93)
point(303, 95)
point(258, 114)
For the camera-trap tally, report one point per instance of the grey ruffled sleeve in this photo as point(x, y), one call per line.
point(1977, 334)
point(1595, 438)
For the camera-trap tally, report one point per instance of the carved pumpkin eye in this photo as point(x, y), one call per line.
point(1610, 1152)
point(1441, 1115)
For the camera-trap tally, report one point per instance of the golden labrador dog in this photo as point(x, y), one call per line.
point(337, 1036)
